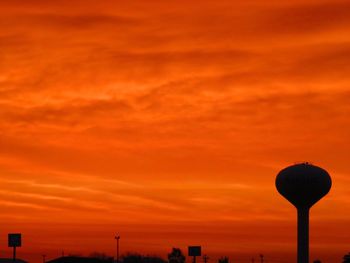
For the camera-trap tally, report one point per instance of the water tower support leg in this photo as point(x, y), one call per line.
point(303, 235)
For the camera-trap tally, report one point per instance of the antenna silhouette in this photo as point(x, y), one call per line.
point(303, 185)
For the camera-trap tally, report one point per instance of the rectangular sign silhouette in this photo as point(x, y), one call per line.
point(14, 240)
point(194, 251)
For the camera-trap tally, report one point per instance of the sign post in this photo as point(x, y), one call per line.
point(194, 251)
point(14, 240)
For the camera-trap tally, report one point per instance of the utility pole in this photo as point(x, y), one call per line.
point(117, 237)
point(44, 258)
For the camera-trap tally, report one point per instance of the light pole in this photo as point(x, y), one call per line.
point(117, 237)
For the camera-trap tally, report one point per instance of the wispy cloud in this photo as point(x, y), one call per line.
point(170, 113)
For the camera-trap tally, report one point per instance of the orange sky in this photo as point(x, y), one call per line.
point(167, 121)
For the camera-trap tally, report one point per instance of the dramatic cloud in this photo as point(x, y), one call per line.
point(167, 121)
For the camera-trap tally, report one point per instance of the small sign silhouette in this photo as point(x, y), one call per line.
point(14, 240)
point(194, 251)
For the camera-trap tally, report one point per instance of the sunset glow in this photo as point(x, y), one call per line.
point(167, 122)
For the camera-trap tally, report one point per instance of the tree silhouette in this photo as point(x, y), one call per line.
point(137, 258)
point(100, 255)
point(346, 258)
point(223, 260)
point(176, 256)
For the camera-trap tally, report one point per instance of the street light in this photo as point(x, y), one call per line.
point(117, 237)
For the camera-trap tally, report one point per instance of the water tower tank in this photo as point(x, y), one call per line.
point(303, 185)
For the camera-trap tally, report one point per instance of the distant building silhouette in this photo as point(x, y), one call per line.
point(137, 258)
point(76, 259)
point(100, 255)
point(10, 260)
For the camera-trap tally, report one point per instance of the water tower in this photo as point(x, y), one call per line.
point(303, 185)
